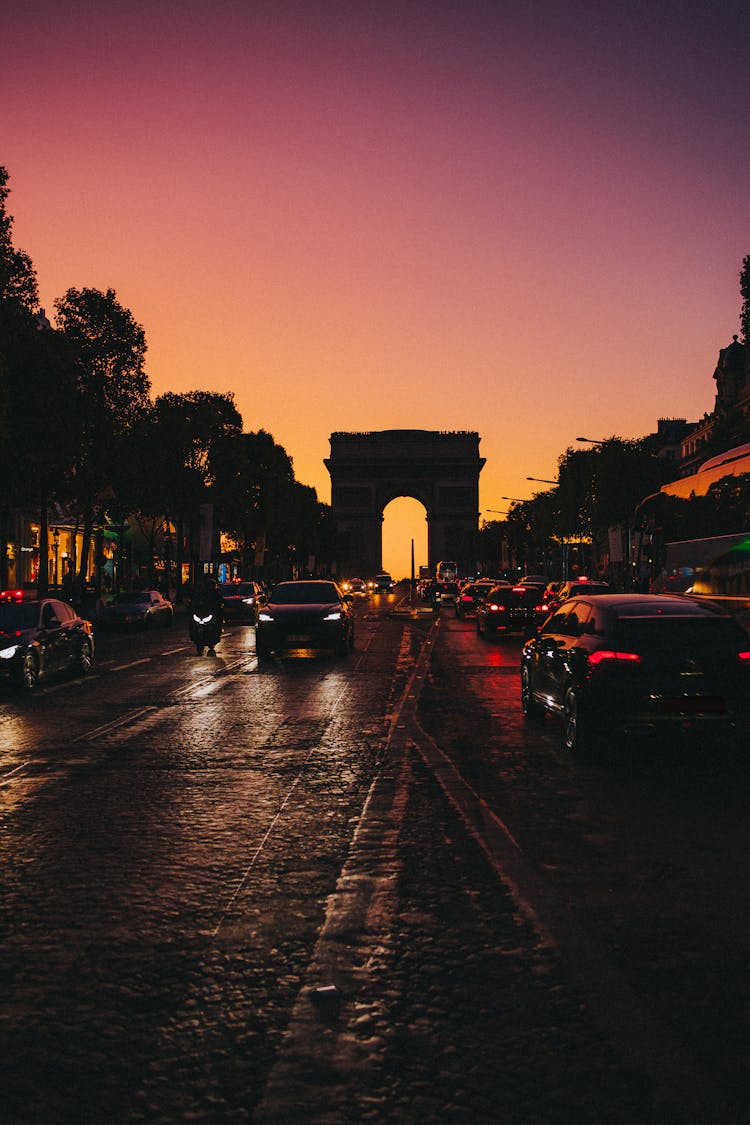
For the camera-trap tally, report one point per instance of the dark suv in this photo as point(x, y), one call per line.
point(509, 609)
point(614, 664)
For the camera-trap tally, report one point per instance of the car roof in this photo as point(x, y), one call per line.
point(646, 604)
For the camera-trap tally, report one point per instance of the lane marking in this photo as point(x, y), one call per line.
point(7, 776)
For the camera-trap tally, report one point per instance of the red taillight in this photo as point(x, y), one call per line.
point(743, 657)
point(466, 598)
point(495, 608)
point(602, 654)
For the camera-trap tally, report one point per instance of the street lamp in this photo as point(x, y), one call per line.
point(542, 480)
point(593, 440)
point(513, 499)
point(496, 511)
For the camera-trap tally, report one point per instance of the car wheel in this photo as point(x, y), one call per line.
point(29, 675)
point(85, 658)
point(198, 649)
point(529, 705)
point(578, 724)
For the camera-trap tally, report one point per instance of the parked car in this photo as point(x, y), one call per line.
point(305, 614)
point(40, 638)
point(470, 595)
point(140, 608)
point(510, 609)
point(614, 664)
point(241, 601)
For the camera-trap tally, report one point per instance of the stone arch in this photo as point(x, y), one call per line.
point(440, 469)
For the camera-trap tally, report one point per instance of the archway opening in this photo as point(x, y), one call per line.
point(404, 519)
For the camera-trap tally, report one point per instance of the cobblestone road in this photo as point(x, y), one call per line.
point(362, 892)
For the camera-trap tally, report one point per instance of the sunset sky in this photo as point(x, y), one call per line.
point(523, 218)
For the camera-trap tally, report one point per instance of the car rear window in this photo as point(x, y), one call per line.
point(646, 634)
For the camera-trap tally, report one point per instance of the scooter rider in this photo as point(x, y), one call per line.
point(209, 602)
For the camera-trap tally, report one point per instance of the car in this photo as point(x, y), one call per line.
point(445, 593)
point(614, 665)
point(470, 595)
point(241, 601)
point(510, 609)
point(305, 613)
point(574, 586)
point(16, 595)
point(138, 608)
point(43, 637)
point(357, 587)
point(381, 584)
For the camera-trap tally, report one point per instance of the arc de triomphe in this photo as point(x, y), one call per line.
point(438, 468)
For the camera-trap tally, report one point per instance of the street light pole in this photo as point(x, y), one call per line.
point(542, 480)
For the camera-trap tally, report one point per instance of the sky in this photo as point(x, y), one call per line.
point(526, 219)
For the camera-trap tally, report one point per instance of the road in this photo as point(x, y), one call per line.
point(358, 890)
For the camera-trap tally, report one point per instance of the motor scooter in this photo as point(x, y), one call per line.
point(205, 630)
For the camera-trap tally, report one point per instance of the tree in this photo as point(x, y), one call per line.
point(18, 285)
point(110, 349)
point(36, 392)
point(184, 439)
point(745, 293)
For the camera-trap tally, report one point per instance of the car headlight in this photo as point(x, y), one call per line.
point(8, 653)
point(336, 615)
point(263, 616)
point(249, 601)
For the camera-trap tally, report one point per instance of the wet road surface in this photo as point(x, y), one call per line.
point(360, 889)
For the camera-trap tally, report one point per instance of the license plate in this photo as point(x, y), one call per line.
point(298, 638)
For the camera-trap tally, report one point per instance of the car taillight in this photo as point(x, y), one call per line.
point(743, 657)
point(495, 608)
point(603, 654)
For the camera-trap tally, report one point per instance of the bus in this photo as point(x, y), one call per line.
point(446, 571)
point(715, 568)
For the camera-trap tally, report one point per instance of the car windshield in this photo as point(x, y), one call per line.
point(19, 616)
point(238, 590)
point(305, 593)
